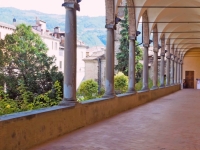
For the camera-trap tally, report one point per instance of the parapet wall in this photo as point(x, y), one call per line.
point(21, 131)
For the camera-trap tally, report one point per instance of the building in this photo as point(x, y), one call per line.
point(95, 65)
point(80, 55)
point(6, 29)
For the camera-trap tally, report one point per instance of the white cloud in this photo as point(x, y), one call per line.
point(88, 7)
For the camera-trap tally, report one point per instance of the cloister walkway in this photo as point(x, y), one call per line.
point(169, 123)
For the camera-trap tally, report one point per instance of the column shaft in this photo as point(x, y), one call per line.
point(172, 72)
point(175, 71)
point(162, 70)
point(168, 71)
point(145, 69)
point(69, 94)
point(131, 71)
point(181, 72)
point(155, 70)
point(109, 85)
point(178, 72)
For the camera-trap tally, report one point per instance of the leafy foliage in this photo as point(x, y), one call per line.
point(138, 86)
point(121, 83)
point(123, 55)
point(25, 60)
point(87, 90)
point(24, 103)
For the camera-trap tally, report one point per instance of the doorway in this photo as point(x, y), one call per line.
point(189, 79)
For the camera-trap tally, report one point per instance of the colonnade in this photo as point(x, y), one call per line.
point(173, 60)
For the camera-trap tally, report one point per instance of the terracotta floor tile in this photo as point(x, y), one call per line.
point(169, 123)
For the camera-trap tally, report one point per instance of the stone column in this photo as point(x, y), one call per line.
point(168, 64)
point(181, 72)
point(172, 66)
point(178, 71)
point(131, 71)
point(69, 94)
point(132, 47)
point(162, 63)
point(109, 85)
point(146, 51)
point(145, 74)
point(155, 58)
point(175, 70)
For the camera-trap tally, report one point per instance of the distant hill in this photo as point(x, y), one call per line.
point(90, 30)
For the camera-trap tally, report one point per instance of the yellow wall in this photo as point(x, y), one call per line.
point(191, 62)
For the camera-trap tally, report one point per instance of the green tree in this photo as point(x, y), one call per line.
point(24, 59)
point(123, 55)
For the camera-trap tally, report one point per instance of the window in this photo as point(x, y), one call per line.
point(81, 54)
point(60, 65)
point(55, 46)
point(87, 54)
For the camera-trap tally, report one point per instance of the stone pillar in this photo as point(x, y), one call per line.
point(162, 63)
point(131, 71)
point(109, 85)
point(69, 94)
point(178, 71)
point(146, 51)
point(132, 47)
point(181, 72)
point(168, 64)
point(175, 70)
point(155, 58)
point(172, 66)
point(145, 74)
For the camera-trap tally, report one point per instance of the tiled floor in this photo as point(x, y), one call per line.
point(169, 123)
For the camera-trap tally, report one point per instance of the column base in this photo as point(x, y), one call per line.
point(108, 95)
point(154, 88)
point(167, 85)
point(67, 102)
point(131, 91)
point(162, 86)
point(144, 89)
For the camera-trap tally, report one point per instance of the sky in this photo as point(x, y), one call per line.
point(88, 7)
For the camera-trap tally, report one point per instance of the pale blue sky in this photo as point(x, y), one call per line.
point(88, 7)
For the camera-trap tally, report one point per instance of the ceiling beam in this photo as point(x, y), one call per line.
point(171, 22)
point(179, 32)
point(160, 6)
point(182, 43)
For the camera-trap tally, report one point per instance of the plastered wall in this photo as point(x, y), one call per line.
point(191, 62)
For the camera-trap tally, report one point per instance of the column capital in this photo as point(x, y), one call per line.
point(155, 50)
point(72, 5)
point(146, 45)
point(168, 57)
point(162, 54)
point(110, 26)
point(132, 37)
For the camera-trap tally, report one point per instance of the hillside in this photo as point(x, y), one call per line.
point(90, 30)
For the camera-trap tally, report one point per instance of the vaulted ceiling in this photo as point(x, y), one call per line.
point(179, 20)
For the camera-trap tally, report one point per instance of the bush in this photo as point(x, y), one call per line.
point(121, 83)
point(87, 90)
point(29, 101)
point(138, 86)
